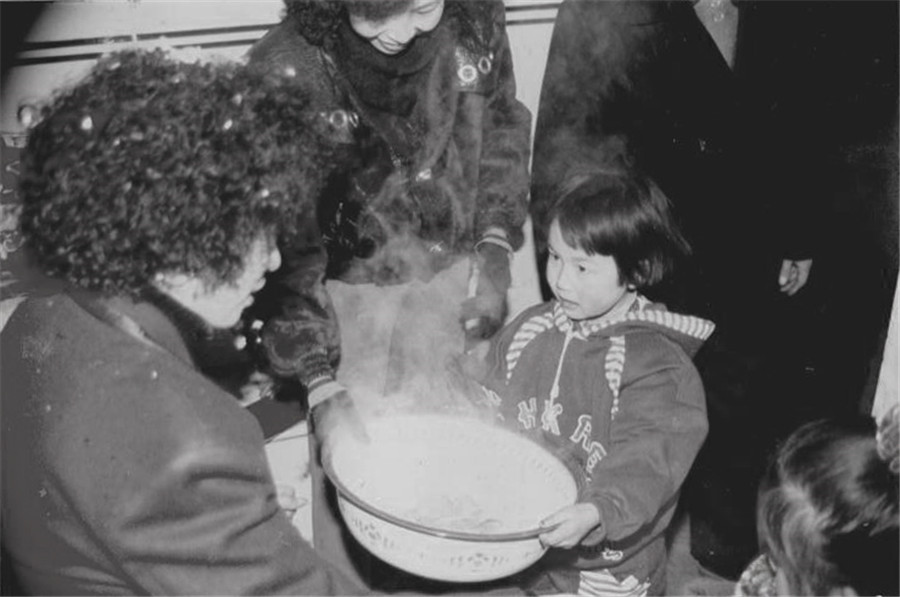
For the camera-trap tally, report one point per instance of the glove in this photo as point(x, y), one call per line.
point(335, 418)
point(484, 313)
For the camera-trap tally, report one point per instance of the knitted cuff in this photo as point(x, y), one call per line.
point(322, 389)
point(495, 236)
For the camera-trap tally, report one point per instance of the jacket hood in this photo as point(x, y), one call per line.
point(688, 331)
point(318, 20)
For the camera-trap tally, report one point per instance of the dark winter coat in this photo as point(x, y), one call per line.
point(127, 472)
point(648, 77)
point(622, 400)
point(436, 159)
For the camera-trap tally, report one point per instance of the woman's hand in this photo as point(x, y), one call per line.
point(570, 525)
point(288, 499)
point(338, 415)
point(484, 312)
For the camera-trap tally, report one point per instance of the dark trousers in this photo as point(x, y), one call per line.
point(758, 377)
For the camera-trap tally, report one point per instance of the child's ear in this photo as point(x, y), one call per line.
point(644, 274)
point(631, 280)
point(636, 280)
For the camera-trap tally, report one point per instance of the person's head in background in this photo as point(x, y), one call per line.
point(828, 510)
point(389, 26)
point(611, 235)
point(156, 174)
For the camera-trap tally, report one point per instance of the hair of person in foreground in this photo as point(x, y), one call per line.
point(828, 509)
point(154, 164)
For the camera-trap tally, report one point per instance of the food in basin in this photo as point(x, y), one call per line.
point(448, 497)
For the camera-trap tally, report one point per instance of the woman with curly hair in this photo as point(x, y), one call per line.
point(412, 244)
point(154, 190)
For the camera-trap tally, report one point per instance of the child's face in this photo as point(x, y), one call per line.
point(393, 34)
point(586, 286)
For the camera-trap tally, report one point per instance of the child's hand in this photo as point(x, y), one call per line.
point(570, 525)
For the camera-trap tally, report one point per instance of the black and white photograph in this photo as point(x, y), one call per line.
point(450, 297)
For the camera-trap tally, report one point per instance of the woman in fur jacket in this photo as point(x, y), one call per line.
point(410, 251)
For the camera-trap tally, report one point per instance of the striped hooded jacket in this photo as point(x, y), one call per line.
point(621, 401)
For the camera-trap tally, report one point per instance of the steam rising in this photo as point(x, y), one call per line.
point(401, 343)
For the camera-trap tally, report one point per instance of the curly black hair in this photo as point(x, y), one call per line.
point(155, 165)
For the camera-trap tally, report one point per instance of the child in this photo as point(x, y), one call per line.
point(604, 377)
point(828, 513)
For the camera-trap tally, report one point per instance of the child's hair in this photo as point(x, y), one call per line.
point(152, 164)
point(828, 511)
point(622, 214)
